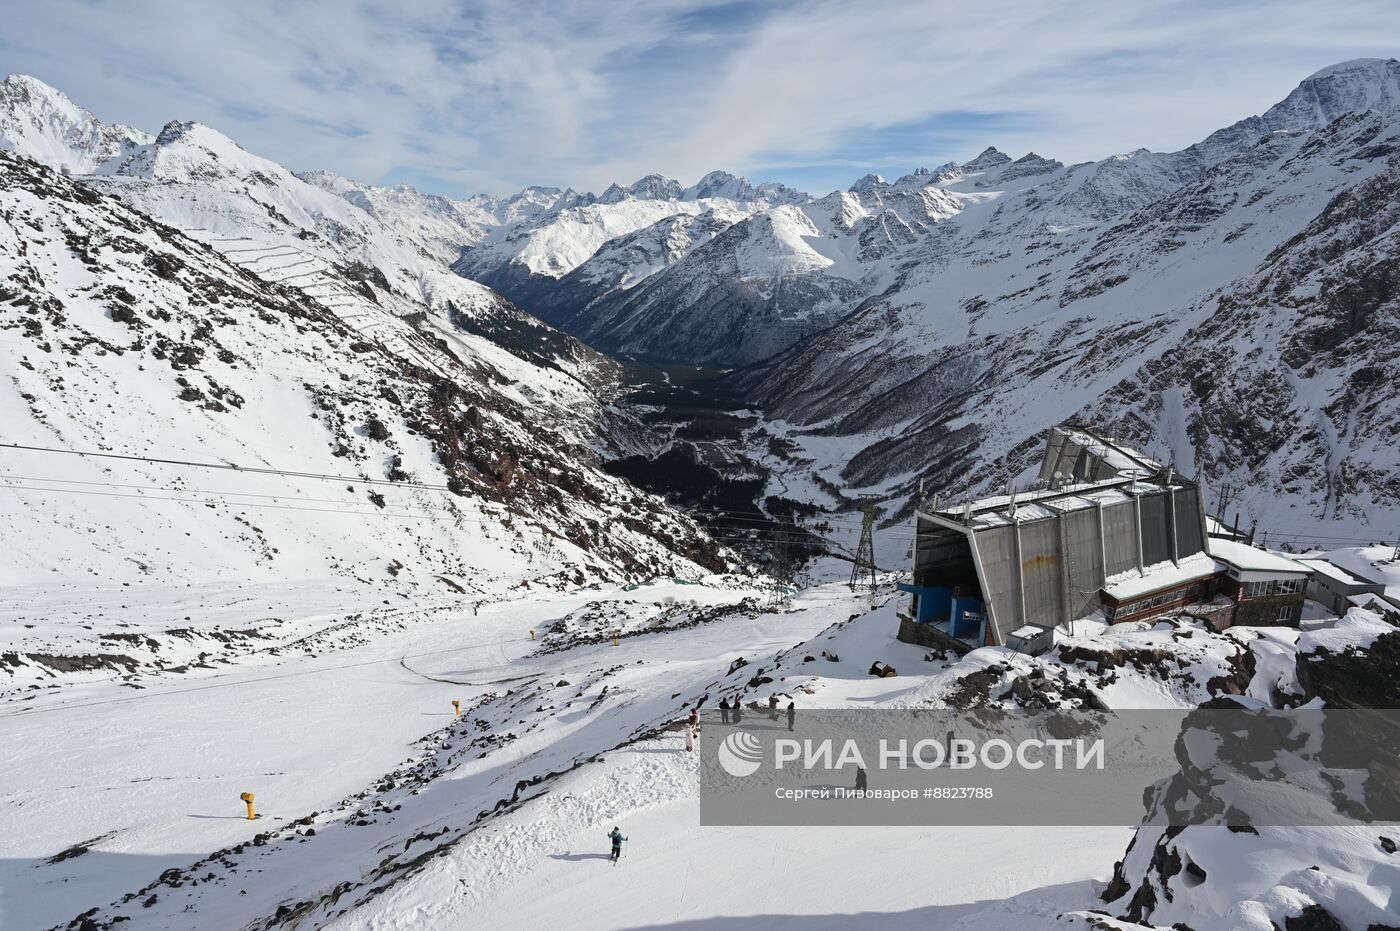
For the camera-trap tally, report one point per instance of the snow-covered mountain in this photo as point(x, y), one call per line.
point(192, 301)
point(783, 278)
point(762, 284)
point(1241, 318)
point(41, 122)
point(526, 259)
point(302, 433)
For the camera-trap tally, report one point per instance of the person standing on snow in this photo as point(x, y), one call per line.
point(792, 713)
point(689, 739)
point(694, 721)
point(617, 839)
point(724, 710)
point(773, 706)
point(738, 710)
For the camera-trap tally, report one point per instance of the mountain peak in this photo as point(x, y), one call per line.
point(655, 187)
point(613, 194)
point(869, 182)
point(1347, 87)
point(720, 184)
point(990, 157)
point(32, 84)
point(41, 122)
point(1363, 66)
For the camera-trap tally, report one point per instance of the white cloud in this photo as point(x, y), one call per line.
point(497, 94)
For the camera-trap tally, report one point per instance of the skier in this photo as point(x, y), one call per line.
point(617, 839)
point(724, 710)
point(792, 713)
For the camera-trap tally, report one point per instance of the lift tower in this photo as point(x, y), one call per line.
point(865, 552)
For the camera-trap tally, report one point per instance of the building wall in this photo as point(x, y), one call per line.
point(1261, 610)
point(1120, 537)
point(1040, 567)
point(1084, 560)
point(1157, 531)
point(1216, 615)
point(1333, 593)
point(1065, 455)
point(996, 547)
point(1163, 602)
point(926, 635)
point(1264, 612)
point(1062, 568)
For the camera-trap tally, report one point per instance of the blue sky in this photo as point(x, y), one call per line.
point(459, 97)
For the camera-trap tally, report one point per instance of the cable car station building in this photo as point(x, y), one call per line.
point(1110, 530)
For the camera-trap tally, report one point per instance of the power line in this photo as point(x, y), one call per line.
point(320, 476)
point(756, 517)
point(821, 517)
point(242, 504)
point(243, 494)
point(229, 467)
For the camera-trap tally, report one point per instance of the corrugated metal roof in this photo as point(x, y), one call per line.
point(1039, 505)
point(1116, 455)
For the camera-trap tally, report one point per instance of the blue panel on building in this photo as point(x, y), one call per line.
point(967, 616)
point(934, 602)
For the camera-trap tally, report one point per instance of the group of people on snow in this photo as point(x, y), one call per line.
point(734, 712)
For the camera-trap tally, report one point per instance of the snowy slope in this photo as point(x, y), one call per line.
point(498, 813)
point(128, 337)
point(499, 816)
point(439, 226)
point(371, 254)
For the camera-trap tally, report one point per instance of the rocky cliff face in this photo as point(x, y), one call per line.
point(1262, 876)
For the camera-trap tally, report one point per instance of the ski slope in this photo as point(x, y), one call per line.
point(142, 774)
